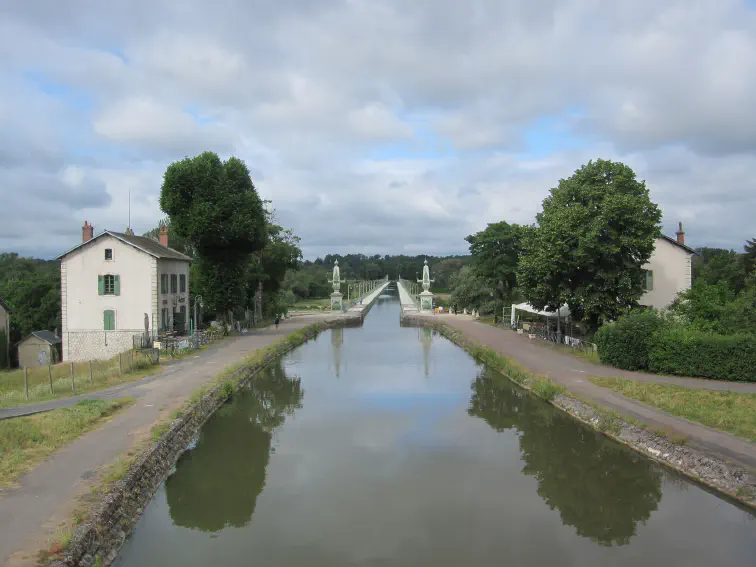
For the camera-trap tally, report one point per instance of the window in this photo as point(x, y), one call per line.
point(182, 283)
point(164, 319)
point(108, 253)
point(174, 283)
point(108, 317)
point(649, 284)
point(163, 283)
point(108, 285)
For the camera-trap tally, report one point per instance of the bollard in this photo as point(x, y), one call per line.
point(90, 373)
point(49, 377)
point(73, 383)
point(26, 381)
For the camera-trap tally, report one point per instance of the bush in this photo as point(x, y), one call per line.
point(689, 352)
point(626, 343)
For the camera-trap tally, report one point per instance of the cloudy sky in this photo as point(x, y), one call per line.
point(380, 126)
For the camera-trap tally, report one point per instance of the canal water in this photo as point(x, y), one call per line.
point(390, 446)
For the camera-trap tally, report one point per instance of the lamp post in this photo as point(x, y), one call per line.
point(197, 299)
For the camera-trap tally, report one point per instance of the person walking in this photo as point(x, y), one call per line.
point(278, 320)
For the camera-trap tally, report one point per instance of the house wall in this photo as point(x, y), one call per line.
point(84, 337)
point(35, 352)
point(672, 274)
point(166, 300)
point(4, 338)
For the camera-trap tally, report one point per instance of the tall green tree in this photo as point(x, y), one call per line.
point(594, 235)
point(714, 266)
point(214, 205)
point(750, 256)
point(495, 252)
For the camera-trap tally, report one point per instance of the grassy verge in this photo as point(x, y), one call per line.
point(732, 412)
point(105, 373)
point(311, 305)
point(26, 441)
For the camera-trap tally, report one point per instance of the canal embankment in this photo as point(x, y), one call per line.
point(714, 458)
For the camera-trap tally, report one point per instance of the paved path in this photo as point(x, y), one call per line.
point(573, 372)
point(30, 513)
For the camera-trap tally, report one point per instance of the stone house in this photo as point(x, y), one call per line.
point(4, 334)
point(39, 349)
point(669, 271)
point(115, 286)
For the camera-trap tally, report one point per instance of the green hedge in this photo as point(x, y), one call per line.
point(627, 342)
point(687, 352)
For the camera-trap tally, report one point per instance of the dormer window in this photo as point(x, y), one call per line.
point(108, 253)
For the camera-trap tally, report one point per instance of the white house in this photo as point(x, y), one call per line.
point(669, 271)
point(116, 285)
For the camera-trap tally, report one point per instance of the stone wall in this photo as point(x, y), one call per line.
point(80, 346)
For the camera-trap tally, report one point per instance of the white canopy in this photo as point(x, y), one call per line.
point(564, 311)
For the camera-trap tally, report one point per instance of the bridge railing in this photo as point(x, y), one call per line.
point(412, 289)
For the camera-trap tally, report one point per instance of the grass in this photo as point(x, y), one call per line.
point(105, 373)
point(26, 441)
point(732, 412)
point(312, 304)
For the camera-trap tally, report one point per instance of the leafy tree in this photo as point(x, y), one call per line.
point(495, 252)
point(716, 308)
point(594, 235)
point(750, 256)
point(470, 291)
point(717, 265)
point(214, 205)
point(444, 270)
point(177, 242)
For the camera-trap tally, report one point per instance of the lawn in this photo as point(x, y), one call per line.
point(105, 373)
point(732, 412)
point(311, 304)
point(27, 441)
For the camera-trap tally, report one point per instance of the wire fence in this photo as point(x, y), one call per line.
point(68, 378)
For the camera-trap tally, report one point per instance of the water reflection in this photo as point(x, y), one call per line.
point(216, 484)
point(425, 334)
point(600, 488)
point(337, 340)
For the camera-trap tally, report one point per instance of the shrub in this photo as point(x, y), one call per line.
point(690, 352)
point(626, 343)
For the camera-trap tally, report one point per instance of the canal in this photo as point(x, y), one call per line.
point(385, 445)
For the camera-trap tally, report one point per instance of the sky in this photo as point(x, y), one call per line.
point(374, 126)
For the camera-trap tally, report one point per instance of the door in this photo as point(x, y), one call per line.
point(179, 320)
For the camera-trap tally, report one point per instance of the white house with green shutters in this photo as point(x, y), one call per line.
point(117, 285)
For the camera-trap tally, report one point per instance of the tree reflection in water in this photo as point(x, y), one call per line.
point(216, 484)
point(599, 487)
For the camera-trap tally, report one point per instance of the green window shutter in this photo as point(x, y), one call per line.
point(117, 285)
point(100, 285)
point(649, 280)
point(108, 317)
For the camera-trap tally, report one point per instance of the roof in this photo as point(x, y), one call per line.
point(144, 243)
point(674, 241)
point(45, 336)
point(5, 305)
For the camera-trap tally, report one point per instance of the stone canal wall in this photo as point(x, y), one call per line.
point(709, 470)
point(97, 541)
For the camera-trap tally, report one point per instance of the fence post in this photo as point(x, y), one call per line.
point(90, 373)
point(120, 365)
point(49, 377)
point(73, 383)
point(26, 381)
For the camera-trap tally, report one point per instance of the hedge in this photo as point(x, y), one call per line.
point(688, 352)
point(626, 343)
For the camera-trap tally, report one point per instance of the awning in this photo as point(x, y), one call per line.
point(563, 312)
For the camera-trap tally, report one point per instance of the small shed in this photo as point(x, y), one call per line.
point(39, 349)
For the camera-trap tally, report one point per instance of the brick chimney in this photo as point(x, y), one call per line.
point(680, 235)
point(87, 232)
point(164, 235)
point(129, 231)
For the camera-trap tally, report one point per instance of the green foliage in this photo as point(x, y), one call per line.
point(716, 308)
point(227, 389)
point(717, 266)
point(31, 288)
point(4, 350)
point(495, 252)
point(594, 235)
point(214, 206)
point(750, 256)
point(690, 352)
point(627, 342)
point(470, 291)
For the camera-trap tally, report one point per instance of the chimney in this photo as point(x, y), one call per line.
point(87, 232)
point(164, 235)
point(680, 235)
point(129, 231)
